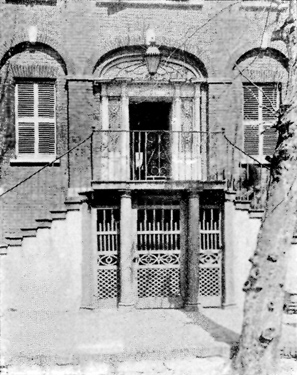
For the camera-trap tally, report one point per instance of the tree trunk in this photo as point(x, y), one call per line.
point(259, 343)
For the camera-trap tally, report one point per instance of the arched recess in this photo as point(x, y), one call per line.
point(128, 62)
point(263, 65)
point(36, 47)
point(262, 76)
point(40, 63)
point(173, 101)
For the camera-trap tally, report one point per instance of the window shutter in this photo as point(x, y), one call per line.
point(250, 102)
point(26, 138)
point(270, 136)
point(46, 100)
point(269, 102)
point(251, 139)
point(46, 131)
point(36, 118)
point(25, 99)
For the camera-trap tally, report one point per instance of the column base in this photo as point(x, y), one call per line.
point(126, 306)
point(229, 306)
point(192, 307)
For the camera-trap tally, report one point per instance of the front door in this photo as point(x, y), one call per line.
point(158, 254)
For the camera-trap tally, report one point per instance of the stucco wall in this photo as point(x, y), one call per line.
point(45, 273)
point(245, 233)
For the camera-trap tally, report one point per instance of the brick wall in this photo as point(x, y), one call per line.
point(73, 36)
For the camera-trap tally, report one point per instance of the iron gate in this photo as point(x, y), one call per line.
point(107, 255)
point(210, 259)
point(158, 252)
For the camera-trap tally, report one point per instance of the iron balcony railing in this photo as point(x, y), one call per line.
point(152, 155)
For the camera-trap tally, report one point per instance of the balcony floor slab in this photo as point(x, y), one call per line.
point(158, 185)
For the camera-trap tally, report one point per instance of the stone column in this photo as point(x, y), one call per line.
point(126, 252)
point(104, 108)
point(176, 127)
point(89, 260)
point(193, 252)
point(196, 172)
point(229, 297)
point(104, 167)
point(125, 144)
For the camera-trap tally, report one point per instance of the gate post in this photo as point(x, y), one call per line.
point(126, 252)
point(89, 260)
point(228, 299)
point(193, 253)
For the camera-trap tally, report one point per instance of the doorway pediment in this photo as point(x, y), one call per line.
point(133, 67)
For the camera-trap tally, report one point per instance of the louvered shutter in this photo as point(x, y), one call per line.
point(251, 139)
point(251, 118)
point(46, 132)
point(36, 118)
point(269, 140)
point(250, 102)
point(26, 138)
point(46, 100)
point(25, 100)
point(46, 118)
point(269, 102)
point(25, 115)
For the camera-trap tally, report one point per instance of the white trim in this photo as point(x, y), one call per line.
point(171, 3)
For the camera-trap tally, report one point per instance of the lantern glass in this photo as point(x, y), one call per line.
point(152, 58)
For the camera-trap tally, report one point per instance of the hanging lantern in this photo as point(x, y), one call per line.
point(152, 58)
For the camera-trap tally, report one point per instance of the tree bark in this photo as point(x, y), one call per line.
point(263, 310)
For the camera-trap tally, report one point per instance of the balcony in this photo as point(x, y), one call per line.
point(155, 156)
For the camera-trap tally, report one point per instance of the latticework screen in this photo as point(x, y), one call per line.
point(210, 259)
point(158, 245)
point(107, 252)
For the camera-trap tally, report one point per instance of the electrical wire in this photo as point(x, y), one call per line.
point(47, 165)
point(239, 149)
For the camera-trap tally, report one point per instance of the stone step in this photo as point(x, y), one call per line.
point(58, 214)
point(29, 232)
point(44, 223)
point(3, 249)
point(73, 204)
point(14, 240)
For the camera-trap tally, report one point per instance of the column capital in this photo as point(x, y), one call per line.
point(177, 92)
point(124, 91)
point(197, 93)
point(194, 193)
point(103, 90)
point(125, 193)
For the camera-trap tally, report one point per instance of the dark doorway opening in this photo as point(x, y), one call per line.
point(149, 116)
point(150, 140)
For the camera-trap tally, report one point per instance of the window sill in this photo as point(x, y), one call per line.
point(32, 162)
point(153, 3)
point(248, 160)
point(264, 4)
point(32, 2)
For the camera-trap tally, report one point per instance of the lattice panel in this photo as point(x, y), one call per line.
point(107, 252)
point(107, 283)
point(158, 282)
point(209, 282)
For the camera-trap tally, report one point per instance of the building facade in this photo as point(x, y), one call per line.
point(123, 187)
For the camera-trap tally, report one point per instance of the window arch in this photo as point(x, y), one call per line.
point(263, 74)
point(33, 75)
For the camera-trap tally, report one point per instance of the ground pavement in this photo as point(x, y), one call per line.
point(136, 342)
